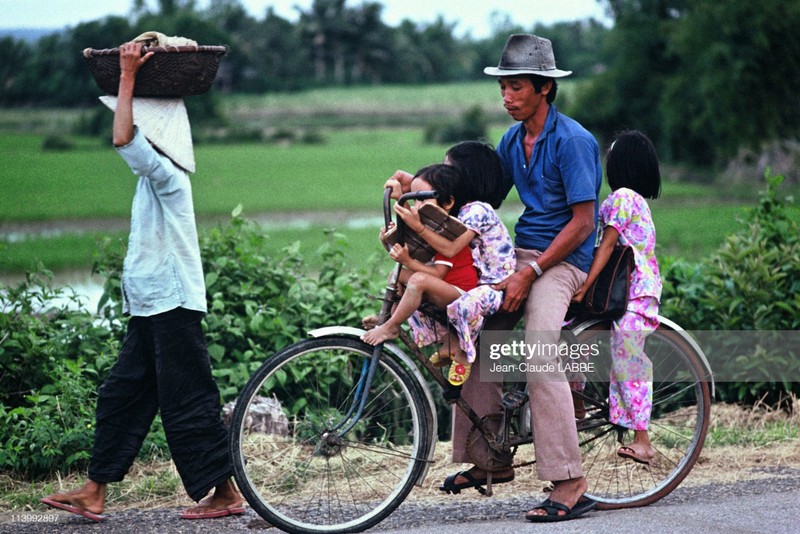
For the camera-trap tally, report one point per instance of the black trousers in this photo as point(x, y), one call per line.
point(163, 364)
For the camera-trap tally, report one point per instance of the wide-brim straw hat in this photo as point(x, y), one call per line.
point(165, 123)
point(527, 54)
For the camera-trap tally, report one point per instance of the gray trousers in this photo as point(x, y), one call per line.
point(555, 433)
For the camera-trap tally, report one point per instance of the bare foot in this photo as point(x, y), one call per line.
point(637, 451)
point(369, 322)
point(381, 333)
point(567, 492)
point(91, 497)
point(224, 501)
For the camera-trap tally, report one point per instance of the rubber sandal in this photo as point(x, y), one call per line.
point(449, 486)
point(630, 452)
point(211, 514)
point(552, 508)
point(72, 509)
point(458, 373)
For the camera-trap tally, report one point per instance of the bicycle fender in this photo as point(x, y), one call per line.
point(675, 327)
point(433, 425)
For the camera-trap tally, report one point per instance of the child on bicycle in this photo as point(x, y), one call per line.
point(491, 248)
point(439, 282)
point(633, 175)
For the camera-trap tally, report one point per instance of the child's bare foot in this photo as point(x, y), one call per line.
point(369, 322)
point(640, 449)
point(381, 333)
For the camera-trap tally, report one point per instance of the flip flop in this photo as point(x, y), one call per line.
point(450, 486)
point(552, 508)
point(629, 452)
point(72, 509)
point(211, 514)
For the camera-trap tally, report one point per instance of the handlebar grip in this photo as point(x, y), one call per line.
point(418, 195)
point(387, 207)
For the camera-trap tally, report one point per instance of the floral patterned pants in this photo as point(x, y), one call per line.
point(631, 384)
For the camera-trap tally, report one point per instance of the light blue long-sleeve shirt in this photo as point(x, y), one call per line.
point(162, 269)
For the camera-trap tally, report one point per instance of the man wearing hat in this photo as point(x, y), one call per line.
point(163, 364)
point(555, 165)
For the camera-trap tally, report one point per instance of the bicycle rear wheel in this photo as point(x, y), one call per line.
point(302, 476)
point(677, 428)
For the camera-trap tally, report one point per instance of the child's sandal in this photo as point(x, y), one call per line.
point(459, 372)
point(440, 360)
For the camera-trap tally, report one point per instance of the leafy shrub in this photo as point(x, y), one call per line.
point(752, 282)
point(259, 303)
point(471, 126)
point(54, 353)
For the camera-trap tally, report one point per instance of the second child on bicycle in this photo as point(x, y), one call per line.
point(492, 252)
point(633, 175)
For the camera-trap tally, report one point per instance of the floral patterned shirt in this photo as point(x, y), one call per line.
point(627, 211)
point(492, 247)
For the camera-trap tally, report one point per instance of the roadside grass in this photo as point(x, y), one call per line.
point(743, 443)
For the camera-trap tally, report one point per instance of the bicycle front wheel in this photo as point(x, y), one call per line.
point(314, 465)
point(677, 428)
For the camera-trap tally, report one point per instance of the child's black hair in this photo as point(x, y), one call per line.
point(631, 162)
point(448, 181)
point(483, 172)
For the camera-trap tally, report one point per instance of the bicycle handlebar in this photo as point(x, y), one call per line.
point(417, 195)
point(387, 210)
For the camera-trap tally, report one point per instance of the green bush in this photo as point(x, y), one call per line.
point(752, 282)
point(54, 353)
point(259, 303)
point(471, 126)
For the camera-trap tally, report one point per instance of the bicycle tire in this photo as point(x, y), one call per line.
point(677, 428)
point(302, 479)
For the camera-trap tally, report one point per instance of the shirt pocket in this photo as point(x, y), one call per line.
point(554, 196)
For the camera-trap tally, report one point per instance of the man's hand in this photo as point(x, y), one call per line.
point(516, 288)
point(400, 182)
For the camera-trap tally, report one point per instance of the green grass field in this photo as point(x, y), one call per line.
point(298, 190)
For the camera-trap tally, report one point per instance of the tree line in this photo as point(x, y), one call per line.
point(703, 78)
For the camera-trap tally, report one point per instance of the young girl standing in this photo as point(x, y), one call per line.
point(633, 175)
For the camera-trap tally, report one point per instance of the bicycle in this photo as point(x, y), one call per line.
point(355, 427)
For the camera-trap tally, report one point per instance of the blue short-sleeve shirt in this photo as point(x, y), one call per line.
point(564, 170)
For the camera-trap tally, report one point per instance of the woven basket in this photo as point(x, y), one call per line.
point(173, 71)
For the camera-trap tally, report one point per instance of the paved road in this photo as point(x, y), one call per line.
point(748, 507)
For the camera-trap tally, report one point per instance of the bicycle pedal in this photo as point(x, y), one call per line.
point(451, 393)
point(514, 399)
